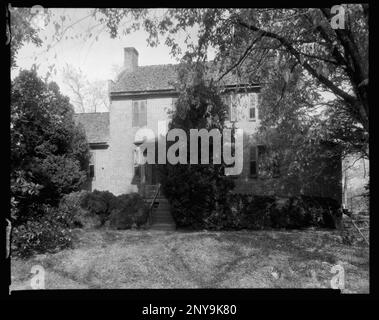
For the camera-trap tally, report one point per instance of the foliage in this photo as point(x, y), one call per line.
point(22, 30)
point(99, 203)
point(264, 212)
point(49, 152)
point(302, 61)
point(195, 189)
point(72, 205)
point(128, 210)
point(48, 233)
point(314, 77)
point(120, 212)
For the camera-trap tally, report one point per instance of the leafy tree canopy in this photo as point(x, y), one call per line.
point(295, 53)
point(49, 152)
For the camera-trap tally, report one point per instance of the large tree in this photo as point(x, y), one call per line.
point(49, 152)
point(273, 47)
point(195, 191)
point(22, 27)
point(87, 96)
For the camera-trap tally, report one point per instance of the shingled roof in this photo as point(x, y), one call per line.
point(162, 77)
point(96, 126)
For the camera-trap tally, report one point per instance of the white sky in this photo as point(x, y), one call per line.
point(95, 58)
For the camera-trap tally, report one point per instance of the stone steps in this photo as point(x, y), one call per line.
point(161, 218)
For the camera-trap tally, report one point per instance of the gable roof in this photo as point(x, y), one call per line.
point(147, 78)
point(162, 77)
point(96, 126)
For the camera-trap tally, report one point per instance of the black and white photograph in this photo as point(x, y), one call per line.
point(189, 148)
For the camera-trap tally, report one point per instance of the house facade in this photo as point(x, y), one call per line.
point(142, 97)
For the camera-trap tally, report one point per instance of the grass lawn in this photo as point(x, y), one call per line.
point(236, 259)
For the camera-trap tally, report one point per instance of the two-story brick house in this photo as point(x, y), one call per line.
point(141, 97)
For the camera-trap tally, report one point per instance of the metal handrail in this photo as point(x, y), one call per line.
point(152, 203)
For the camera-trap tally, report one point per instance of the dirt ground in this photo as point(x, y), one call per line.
point(238, 259)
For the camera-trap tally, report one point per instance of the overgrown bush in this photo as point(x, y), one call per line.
point(99, 203)
point(128, 210)
point(196, 191)
point(72, 205)
point(260, 212)
point(95, 209)
point(48, 233)
point(49, 230)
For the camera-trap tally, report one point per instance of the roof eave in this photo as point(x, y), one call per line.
point(173, 91)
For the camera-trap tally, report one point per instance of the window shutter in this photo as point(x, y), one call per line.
point(252, 113)
point(135, 114)
point(253, 106)
point(142, 113)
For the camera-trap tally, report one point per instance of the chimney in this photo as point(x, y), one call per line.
point(130, 59)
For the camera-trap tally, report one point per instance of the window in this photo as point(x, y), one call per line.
point(256, 154)
point(253, 106)
point(139, 113)
point(252, 113)
point(91, 169)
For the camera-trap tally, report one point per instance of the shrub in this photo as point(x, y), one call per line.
point(321, 211)
point(256, 211)
point(48, 233)
point(196, 193)
point(99, 203)
point(128, 210)
point(241, 211)
point(79, 217)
